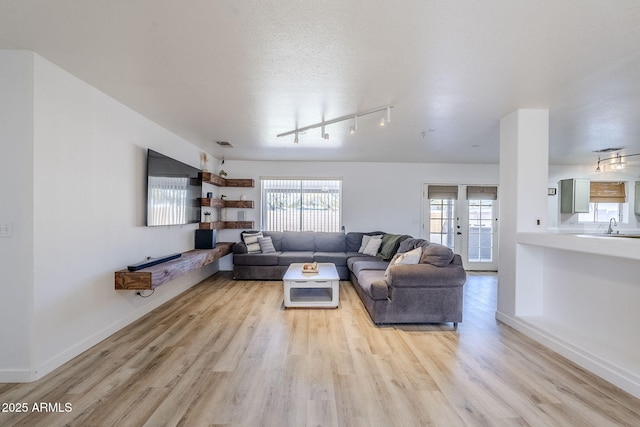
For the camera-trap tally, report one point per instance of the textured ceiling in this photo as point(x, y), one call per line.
point(245, 71)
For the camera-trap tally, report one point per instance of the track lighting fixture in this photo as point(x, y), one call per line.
point(352, 129)
point(616, 163)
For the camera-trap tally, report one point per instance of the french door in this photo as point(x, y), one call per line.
point(465, 219)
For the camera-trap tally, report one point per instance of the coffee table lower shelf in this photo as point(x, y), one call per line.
point(321, 289)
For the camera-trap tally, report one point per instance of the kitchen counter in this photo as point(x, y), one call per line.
point(597, 244)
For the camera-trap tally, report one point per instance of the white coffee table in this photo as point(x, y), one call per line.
point(321, 289)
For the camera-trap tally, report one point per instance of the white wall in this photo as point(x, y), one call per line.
point(16, 209)
point(376, 196)
point(87, 187)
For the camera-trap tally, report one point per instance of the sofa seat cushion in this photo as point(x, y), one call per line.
point(287, 258)
point(256, 259)
point(359, 257)
point(373, 284)
point(337, 258)
point(378, 265)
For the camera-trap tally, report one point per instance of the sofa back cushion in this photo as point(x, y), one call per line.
point(410, 244)
point(276, 238)
point(436, 254)
point(330, 242)
point(298, 241)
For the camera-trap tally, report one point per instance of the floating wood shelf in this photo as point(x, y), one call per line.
point(213, 225)
point(219, 181)
point(211, 203)
point(221, 225)
point(152, 277)
point(249, 183)
point(241, 204)
point(217, 203)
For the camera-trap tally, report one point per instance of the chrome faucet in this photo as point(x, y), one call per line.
point(610, 230)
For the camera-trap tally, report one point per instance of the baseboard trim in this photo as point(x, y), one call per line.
point(17, 376)
point(25, 375)
point(614, 374)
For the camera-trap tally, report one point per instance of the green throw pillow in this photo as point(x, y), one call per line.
point(389, 246)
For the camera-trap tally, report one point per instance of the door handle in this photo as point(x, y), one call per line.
point(458, 233)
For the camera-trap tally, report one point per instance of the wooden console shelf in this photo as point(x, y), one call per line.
point(152, 277)
point(219, 181)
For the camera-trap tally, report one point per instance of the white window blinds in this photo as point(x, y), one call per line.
point(475, 192)
point(301, 204)
point(443, 192)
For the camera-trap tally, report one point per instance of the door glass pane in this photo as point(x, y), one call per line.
point(441, 222)
point(480, 231)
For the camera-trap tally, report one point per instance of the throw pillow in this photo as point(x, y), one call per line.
point(436, 254)
point(266, 245)
point(372, 247)
point(407, 258)
point(390, 244)
point(251, 240)
point(365, 241)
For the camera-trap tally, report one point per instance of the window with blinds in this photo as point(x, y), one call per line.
point(607, 199)
point(301, 204)
point(607, 192)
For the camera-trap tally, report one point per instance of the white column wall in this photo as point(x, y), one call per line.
point(16, 209)
point(524, 148)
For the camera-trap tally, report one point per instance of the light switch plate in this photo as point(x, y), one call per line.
point(6, 229)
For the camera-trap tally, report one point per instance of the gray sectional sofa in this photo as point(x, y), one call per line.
point(427, 292)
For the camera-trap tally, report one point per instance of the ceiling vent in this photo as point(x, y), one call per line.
point(224, 143)
point(608, 150)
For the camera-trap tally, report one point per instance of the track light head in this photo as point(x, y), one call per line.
point(295, 140)
point(386, 119)
point(354, 127)
point(323, 134)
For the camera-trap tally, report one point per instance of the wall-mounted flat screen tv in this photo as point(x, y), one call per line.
point(173, 189)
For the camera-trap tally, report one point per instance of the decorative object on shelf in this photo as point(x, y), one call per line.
point(243, 197)
point(223, 173)
point(241, 215)
point(384, 120)
point(207, 217)
point(224, 196)
point(209, 195)
point(204, 159)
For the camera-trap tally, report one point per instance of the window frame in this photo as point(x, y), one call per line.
point(304, 223)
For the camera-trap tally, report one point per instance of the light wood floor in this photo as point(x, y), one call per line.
point(226, 353)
